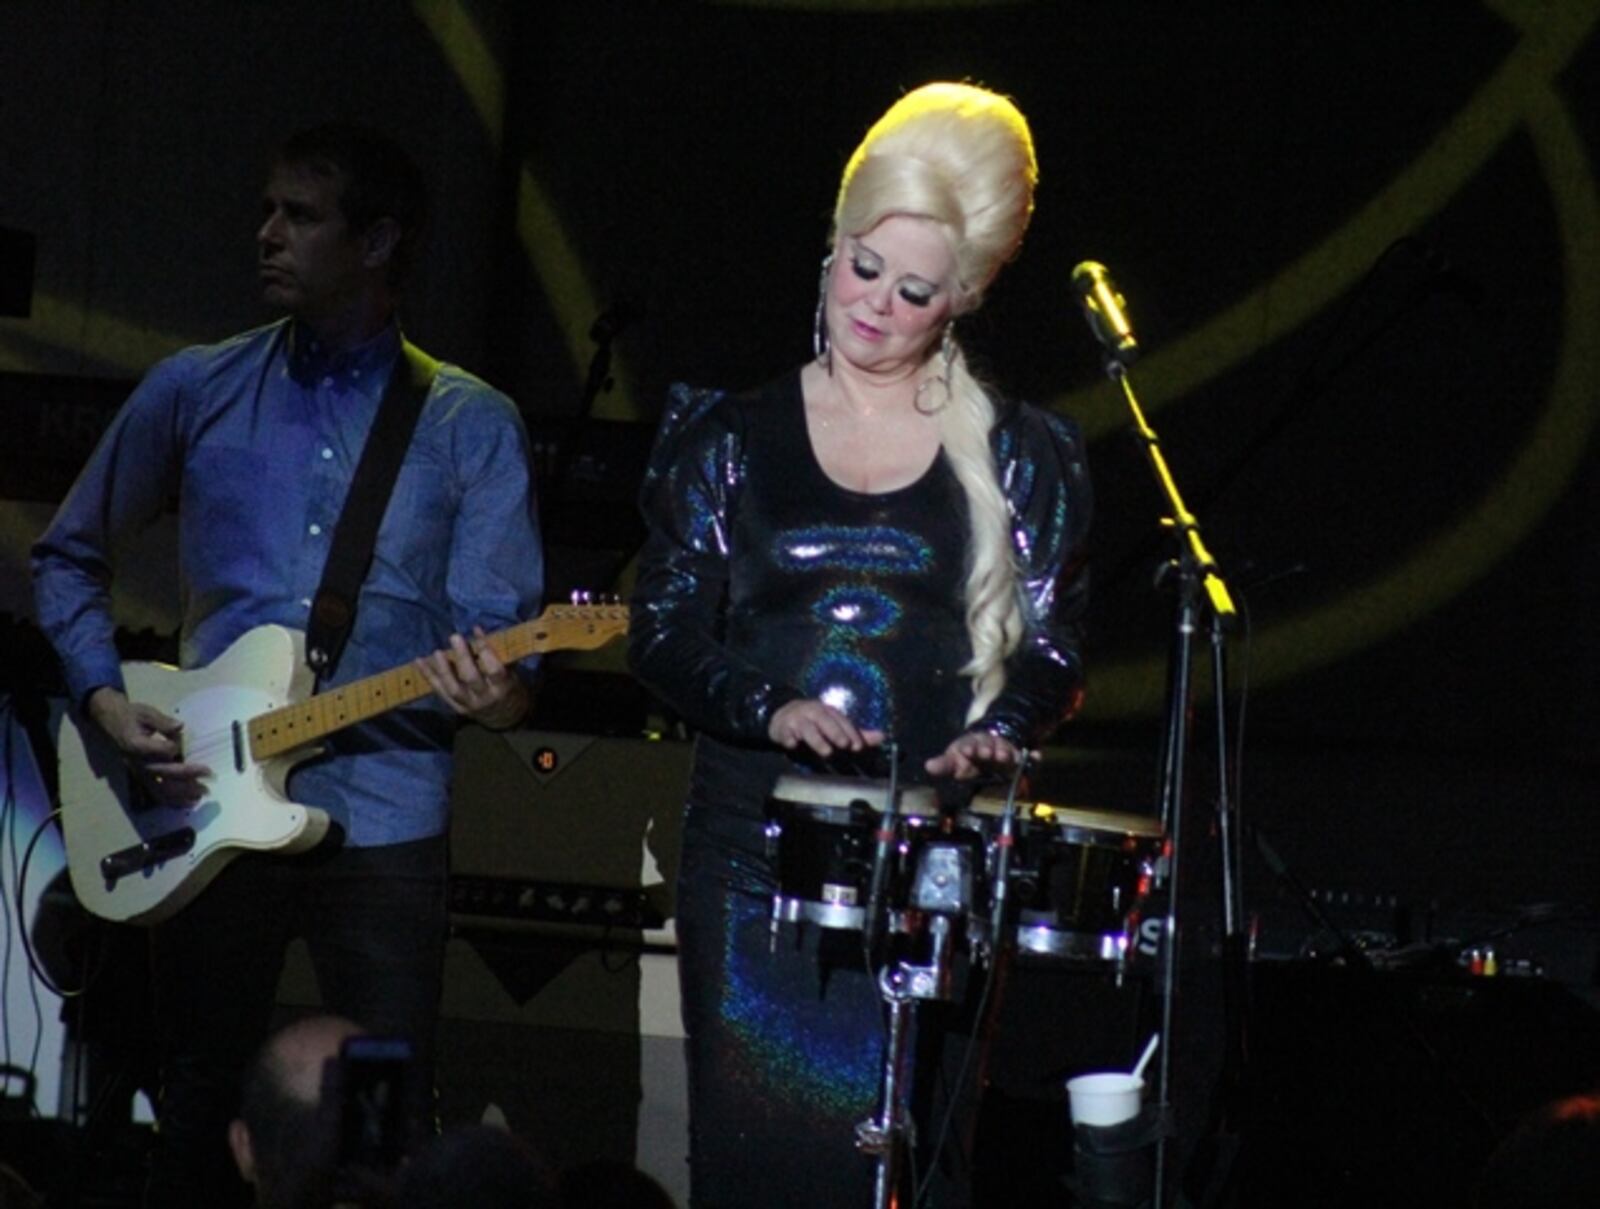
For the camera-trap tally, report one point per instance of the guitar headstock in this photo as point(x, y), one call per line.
point(590, 621)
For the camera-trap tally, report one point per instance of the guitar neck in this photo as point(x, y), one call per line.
point(291, 726)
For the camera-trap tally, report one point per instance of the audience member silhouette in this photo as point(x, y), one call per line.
point(285, 1138)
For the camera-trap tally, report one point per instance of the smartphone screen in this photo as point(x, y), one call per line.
point(374, 1072)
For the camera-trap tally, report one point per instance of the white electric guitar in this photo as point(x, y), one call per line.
point(250, 716)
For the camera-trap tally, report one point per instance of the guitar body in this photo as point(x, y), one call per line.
point(162, 856)
point(250, 717)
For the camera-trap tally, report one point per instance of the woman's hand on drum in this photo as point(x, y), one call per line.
point(820, 727)
point(973, 753)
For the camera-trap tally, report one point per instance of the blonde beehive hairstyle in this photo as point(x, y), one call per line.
point(962, 157)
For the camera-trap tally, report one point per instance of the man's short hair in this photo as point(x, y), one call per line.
point(377, 179)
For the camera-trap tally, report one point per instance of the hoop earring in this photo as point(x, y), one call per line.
point(821, 347)
point(947, 357)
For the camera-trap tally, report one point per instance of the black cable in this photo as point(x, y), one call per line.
point(925, 1184)
point(1247, 633)
point(39, 975)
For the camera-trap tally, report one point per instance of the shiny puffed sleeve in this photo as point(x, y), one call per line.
point(675, 648)
point(1045, 478)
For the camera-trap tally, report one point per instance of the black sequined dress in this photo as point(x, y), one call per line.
point(763, 581)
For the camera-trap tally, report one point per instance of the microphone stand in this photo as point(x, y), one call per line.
point(1200, 589)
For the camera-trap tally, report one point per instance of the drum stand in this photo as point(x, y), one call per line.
point(942, 892)
point(891, 1134)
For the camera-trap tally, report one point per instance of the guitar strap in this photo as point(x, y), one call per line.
point(333, 609)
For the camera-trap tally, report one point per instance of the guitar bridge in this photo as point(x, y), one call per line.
point(141, 857)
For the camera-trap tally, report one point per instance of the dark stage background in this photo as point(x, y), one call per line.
point(1359, 243)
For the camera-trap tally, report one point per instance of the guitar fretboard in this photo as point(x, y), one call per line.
point(560, 627)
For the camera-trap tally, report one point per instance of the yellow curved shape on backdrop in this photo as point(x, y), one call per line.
point(469, 56)
point(551, 252)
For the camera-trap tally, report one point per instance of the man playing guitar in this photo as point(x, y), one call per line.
point(258, 437)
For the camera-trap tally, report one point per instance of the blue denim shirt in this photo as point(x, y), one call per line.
point(258, 439)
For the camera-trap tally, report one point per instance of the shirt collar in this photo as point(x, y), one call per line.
point(366, 363)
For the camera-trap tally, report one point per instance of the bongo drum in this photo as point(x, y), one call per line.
point(1079, 876)
point(820, 836)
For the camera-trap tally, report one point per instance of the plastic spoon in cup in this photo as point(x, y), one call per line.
point(1144, 1058)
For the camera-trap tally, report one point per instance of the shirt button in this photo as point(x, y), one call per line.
point(328, 381)
point(327, 454)
point(316, 530)
point(305, 602)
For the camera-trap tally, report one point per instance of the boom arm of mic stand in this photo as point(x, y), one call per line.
point(1179, 517)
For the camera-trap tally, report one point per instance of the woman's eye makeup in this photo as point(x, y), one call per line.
point(916, 292)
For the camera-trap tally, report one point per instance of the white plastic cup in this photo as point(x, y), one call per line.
point(1104, 1099)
